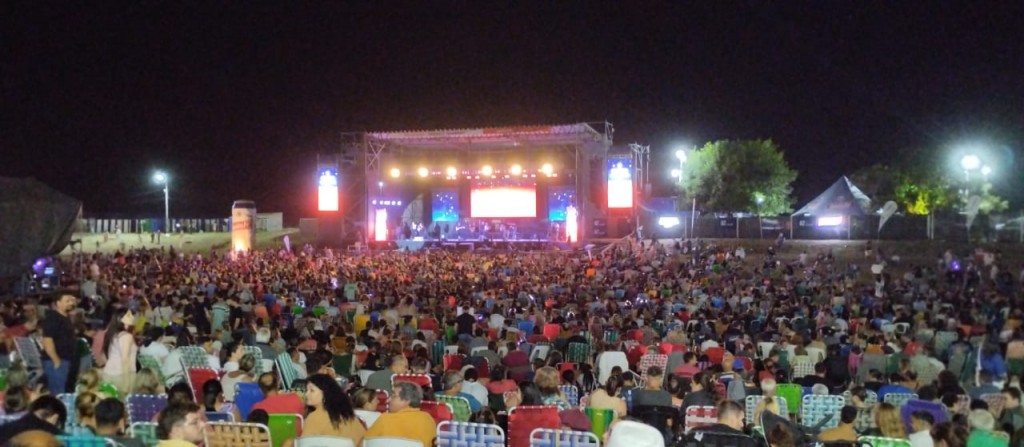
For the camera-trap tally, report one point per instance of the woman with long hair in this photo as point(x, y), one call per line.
point(119, 345)
point(333, 414)
point(147, 381)
point(608, 397)
point(888, 421)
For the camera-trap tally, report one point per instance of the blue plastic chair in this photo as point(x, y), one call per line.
point(247, 394)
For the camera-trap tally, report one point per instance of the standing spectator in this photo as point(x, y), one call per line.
point(58, 344)
point(119, 344)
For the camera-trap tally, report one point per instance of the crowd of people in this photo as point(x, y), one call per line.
point(732, 323)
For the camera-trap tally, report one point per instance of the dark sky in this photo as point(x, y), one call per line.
point(235, 100)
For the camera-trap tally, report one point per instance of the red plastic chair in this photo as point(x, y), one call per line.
point(700, 417)
point(748, 363)
point(666, 348)
point(566, 366)
point(440, 411)
point(523, 420)
point(551, 331)
point(197, 377)
point(492, 334)
point(715, 355)
point(453, 362)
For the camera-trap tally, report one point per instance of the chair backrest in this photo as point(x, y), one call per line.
point(701, 438)
point(460, 406)
point(816, 408)
point(578, 353)
point(283, 427)
point(600, 419)
point(193, 357)
point(440, 411)
point(383, 398)
point(247, 394)
point(750, 405)
point(658, 417)
point(418, 379)
point(649, 360)
point(469, 434)
point(144, 407)
point(608, 360)
point(995, 402)
point(197, 377)
point(700, 416)
point(145, 432)
point(153, 364)
point(323, 441)
point(551, 331)
point(257, 354)
point(220, 416)
point(390, 441)
point(343, 365)
point(84, 441)
point(937, 410)
point(547, 437)
point(715, 355)
point(802, 366)
point(792, 393)
point(881, 441)
point(764, 349)
point(522, 420)
point(540, 351)
point(815, 354)
point(68, 399)
point(453, 361)
point(899, 399)
point(572, 394)
point(29, 352)
point(237, 434)
point(285, 370)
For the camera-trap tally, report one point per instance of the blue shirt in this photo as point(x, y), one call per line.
point(892, 389)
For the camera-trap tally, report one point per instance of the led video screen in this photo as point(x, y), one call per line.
point(327, 190)
point(560, 198)
point(620, 183)
point(503, 201)
point(444, 206)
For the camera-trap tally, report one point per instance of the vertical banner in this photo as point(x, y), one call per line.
point(243, 221)
point(973, 204)
point(887, 211)
point(620, 183)
point(380, 232)
point(327, 189)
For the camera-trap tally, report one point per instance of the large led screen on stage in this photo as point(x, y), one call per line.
point(444, 205)
point(620, 183)
point(327, 189)
point(503, 201)
point(560, 198)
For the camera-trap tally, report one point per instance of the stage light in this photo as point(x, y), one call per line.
point(423, 172)
point(395, 173)
point(830, 221)
point(487, 170)
point(516, 170)
point(668, 221)
point(547, 169)
point(451, 171)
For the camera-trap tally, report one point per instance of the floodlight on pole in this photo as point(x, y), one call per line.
point(676, 173)
point(985, 171)
point(161, 178)
point(970, 162)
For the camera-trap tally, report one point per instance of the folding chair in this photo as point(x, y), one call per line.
point(547, 437)
point(469, 434)
point(460, 406)
point(144, 407)
point(522, 420)
point(199, 376)
point(237, 434)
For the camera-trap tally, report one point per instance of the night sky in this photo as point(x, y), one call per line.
point(235, 101)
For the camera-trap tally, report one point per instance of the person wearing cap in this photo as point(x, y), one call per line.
point(453, 382)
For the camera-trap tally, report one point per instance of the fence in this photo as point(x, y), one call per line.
point(1005, 228)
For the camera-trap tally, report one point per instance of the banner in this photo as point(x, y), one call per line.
point(887, 211)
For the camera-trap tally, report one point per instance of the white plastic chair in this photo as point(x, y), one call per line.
point(391, 441)
point(540, 352)
point(815, 354)
point(477, 350)
point(323, 441)
point(608, 360)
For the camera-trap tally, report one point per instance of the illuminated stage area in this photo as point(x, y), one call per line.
point(497, 186)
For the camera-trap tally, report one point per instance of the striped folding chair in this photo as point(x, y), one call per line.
point(420, 380)
point(522, 420)
point(750, 405)
point(440, 411)
point(145, 432)
point(700, 416)
point(460, 406)
point(286, 370)
point(572, 394)
point(261, 363)
point(880, 441)
point(144, 407)
point(649, 360)
point(199, 376)
point(547, 437)
point(816, 408)
point(578, 353)
point(899, 399)
point(469, 434)
point(85, 440)
point(237, 434)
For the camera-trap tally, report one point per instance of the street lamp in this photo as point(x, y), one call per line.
point(985, 171)
point(161, 178)
point(760, 226)
point(681, 155)
point(969, 162)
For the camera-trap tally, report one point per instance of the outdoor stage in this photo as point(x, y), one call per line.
point(469, 188)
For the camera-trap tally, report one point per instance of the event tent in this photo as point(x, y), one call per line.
point(35, 221)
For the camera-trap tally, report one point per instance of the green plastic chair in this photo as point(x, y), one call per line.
point(578, 353)
point(892, 364)
point(284, 427)
point(880, 441)
point(110, 390)
point(319, 311)
point(460, 406)
point(145, 432)
point(343, 365)
point(3, 380)
point(600, 419)
point(792, 393)
point(1015, 366)
point(450, 334)
point(297, 310)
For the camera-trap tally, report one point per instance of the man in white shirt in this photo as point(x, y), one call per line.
point(472, 386)
point(921, 422)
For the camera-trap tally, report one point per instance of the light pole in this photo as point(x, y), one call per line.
point(161, 178)
point(681, 155)
point(760, 225)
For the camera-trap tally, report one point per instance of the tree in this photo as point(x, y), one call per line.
point(878, 182)
point(729, 176)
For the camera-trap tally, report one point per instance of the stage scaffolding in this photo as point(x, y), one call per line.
point(581, 148)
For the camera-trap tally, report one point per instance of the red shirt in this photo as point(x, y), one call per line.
point(281, 403)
